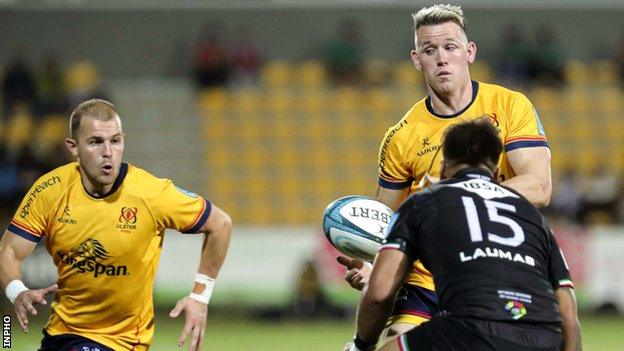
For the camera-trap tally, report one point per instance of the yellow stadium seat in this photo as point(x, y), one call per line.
point(312, 74)
point(380, 100)
point(82, 76)
point(212, 100)
point(19, 128)
point(54, 128)
point(377, 72)
point(49, 134)
point(345, 99)
point(577, 72)
point(604, 72)
point(545, 98)
point(405, 74)
point(276, 74)
point(314, 101)
point(480, 70)
point(248, 101)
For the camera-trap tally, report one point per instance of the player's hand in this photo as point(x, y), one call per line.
point(25, 301)
point(429, 180)
point(350, 347)
point(195, 314)
point(357, 272)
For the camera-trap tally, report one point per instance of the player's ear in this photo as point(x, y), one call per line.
point(472, 51)
point(416, 59)
point(442, 170)
point(72, 146)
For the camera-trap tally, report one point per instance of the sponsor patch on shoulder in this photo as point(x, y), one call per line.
point(540, 127)
point(187, 193)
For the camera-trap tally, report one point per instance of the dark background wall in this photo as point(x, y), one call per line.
point(118, 40)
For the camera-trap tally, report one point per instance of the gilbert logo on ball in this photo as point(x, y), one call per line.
point(356, 225)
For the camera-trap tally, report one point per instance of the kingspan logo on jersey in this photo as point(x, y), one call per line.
point(87, 258)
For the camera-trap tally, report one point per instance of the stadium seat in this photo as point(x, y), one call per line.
point(212, 101)
point(405, 74)
point(576, 72)
point(82, 76)
point(377, 72)
point(480, 70)
point(19, 128)
point(604, 72)
point(312, 74)
point(276, 74)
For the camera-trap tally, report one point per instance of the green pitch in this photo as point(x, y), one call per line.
point(223, 334)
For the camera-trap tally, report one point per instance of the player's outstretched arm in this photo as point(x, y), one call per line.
point(570, 326)
point(388, 273)
point(217, 231)
point(13, 250)
point(391, 197)
point(533, 179)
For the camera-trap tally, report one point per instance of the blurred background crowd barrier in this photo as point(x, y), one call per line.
point(274, 109)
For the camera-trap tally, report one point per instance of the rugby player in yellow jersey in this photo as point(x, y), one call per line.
point(410, 157)
point(104, 222)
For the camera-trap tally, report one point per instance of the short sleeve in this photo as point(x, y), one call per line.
point(524, 128)
point(179, 209)
point(558, 271)
point(393, 173)
point(401, 232)
point(32, 215)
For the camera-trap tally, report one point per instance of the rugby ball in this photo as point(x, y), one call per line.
point(356, 225)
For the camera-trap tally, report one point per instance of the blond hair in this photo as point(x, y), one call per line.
point(99, 109)
point(438, 14)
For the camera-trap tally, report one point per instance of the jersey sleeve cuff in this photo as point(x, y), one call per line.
point(394, 185)
point(395, 244)
point(527, 141)
point(24, 233)
point(390, 246)
point(200, 219)
point(566, 283)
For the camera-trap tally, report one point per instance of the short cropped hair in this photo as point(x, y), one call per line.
point(474, 143)
point(438, 14)
point(99, 109)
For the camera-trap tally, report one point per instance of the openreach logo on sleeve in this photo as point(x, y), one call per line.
point(6, 332)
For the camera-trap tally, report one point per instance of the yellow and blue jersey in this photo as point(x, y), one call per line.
point(412, 147)
point(106, 249)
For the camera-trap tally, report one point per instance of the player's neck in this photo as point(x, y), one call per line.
point(453, 102)
point(92, 188)
point(451, 171)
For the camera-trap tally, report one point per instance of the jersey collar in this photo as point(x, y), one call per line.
point(475, 90)
point(474, 173)
point(123, 170)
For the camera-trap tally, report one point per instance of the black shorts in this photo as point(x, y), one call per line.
point(453, 333)
point(70, 342)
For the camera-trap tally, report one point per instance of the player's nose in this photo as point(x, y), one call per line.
point(442, 58)
point(107, 149)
